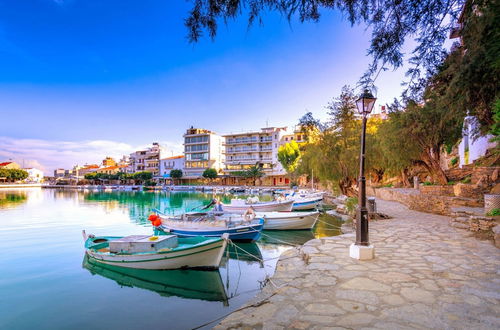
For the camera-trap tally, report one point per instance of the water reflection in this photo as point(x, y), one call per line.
point(191, 284)
point(12, 199)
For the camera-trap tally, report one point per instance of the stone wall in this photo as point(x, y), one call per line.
point(437, 190)
point(425, 202)
point(467, 190)
point(490, 174)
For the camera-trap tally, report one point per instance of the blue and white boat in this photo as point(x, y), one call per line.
point(208, 224)
point(306, 203)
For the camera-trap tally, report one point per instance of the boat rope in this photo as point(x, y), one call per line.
point(329, 224)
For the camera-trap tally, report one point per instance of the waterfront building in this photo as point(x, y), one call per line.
point(171, 163)
point(202, 149)
point(59, 173)
point(110, 169)
point(10, 166)
point(108, 161)
point(146, 160)
point(244, 150)
point(85, 170)
point(34, 175)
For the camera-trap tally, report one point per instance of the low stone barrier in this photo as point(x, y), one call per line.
point(428, 203)
point(437, 190)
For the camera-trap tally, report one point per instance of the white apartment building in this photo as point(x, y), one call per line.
point(34, 175)
point(171, 163)
point(146, 160)
point(244, 150)
point(202, 149)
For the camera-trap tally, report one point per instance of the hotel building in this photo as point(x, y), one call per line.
point(202, 150)
point(146, 160)
point(244, 150)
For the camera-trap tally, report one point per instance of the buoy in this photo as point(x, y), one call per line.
point(157, 222)
point(152, 217)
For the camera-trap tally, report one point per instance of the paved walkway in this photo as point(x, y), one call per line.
point(426, 274)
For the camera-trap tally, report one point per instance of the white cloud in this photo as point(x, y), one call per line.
point(49, 155)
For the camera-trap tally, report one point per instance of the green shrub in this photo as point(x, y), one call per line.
point(450, 183)
point(389, 185)
point(449, 149)
point(494, 212)
point(427, 183)
point(466, 180)
point(454, 161)
point(351, 204)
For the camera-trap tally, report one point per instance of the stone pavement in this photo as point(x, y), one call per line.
point(425, 275)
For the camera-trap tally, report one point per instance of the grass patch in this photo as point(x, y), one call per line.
point(493, 213)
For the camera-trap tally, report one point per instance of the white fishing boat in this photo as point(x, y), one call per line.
point(288, 220)
point(306, 203)
point(241, 205)
point(156, 252)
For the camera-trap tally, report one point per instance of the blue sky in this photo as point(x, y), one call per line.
point(82, 79)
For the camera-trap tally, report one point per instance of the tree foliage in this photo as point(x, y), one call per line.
point(289, 156)
point(176, 174)
point(210, 173)
point(252, 173)
point(13, 175)
point(310, 127)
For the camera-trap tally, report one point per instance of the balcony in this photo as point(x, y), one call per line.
point(239, 150)
point(242, 140)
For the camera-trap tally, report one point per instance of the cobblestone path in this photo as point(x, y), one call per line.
point(425, 275)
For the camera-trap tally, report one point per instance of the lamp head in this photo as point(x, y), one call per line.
point(365, 102)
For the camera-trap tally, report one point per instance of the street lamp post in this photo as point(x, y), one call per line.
point(362, 250)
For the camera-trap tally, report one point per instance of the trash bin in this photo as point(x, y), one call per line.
point(372, 205)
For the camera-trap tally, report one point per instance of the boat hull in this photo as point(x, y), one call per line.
point(207, 255)
point(240, 233)
point(260, 207)
point(290, 221)
point(306, 204)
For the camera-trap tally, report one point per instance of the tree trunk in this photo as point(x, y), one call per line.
point(347, 187)
point(431, 159)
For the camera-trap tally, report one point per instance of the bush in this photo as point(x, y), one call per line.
point(351, 203)
point(493, 213)
point(454, 161)
point(450, 183)
point(150, 183)
point(389, 185)
point(466, 180)
point(427, 183)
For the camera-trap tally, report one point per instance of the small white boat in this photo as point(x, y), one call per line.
point(156, 252)
point(241, 205)
point(306, 203)
point(288, 220)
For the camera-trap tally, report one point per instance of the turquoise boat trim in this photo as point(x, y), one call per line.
point(203, 242)
point(148, 260)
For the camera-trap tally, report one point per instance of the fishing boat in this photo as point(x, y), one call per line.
point(306, 203)
point(156, 252)
point(288, 220)
point(241, 205)
point(184, 283)
point(237, 227)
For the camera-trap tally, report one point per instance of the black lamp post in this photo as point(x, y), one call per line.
point(365, 104)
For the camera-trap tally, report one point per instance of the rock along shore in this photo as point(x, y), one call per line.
point(426, 274)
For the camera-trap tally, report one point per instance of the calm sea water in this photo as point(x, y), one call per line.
point(46, 282)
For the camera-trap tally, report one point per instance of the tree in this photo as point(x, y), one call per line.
point(142, 176)
point(310, 127)
point(289, 157)
point(254, 173)
point(392, 22)
point(176, 174)
point(210, 173)
point(417, 134)
point(14, 174)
